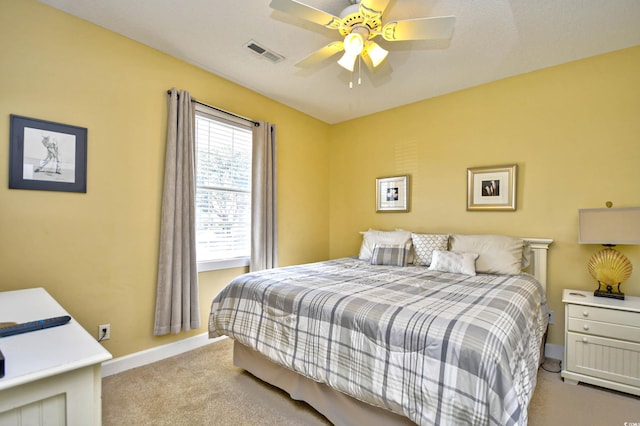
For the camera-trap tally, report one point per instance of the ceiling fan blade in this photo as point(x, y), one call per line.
point(321, 54)
point(373, 6)
point(306, 12)
point(420, 29)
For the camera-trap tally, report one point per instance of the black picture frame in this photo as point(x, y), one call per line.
point(47, 156)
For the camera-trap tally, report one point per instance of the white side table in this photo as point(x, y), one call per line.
point(52, 376)
point(602, 341)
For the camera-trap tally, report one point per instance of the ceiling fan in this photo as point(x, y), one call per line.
point(359, 24)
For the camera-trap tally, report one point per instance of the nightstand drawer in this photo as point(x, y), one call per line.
point(608, 359)
point(605, 315)
point(605, 329)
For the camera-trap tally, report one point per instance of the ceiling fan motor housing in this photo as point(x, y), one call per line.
point(355, 16)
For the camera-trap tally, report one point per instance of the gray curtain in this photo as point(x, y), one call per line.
point(264, 232)
point(177, 305)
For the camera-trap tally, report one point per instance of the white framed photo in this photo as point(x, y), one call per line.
point(492, 188)
point(392, 194)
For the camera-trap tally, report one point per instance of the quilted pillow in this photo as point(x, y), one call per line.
point(457, 263)
point(372, 237)
point(425, 244)
point(390, 254)
point(498, 254)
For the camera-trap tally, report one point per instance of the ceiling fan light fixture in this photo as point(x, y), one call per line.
point(376, 53)
point(348, 61)
point(353, 44)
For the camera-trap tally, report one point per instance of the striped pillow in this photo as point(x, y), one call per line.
point(390, 254)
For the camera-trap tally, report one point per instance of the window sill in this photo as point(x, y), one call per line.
point(215, 265)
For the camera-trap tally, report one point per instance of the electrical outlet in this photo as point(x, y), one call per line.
point(104, 332)
point(552, 317)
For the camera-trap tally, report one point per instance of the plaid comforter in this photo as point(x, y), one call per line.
point(438, 348)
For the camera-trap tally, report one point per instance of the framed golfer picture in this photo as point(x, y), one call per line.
point(47, 156)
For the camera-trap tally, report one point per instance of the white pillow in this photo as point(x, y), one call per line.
point(498, 254)
point(457, 263)
point(425, 244)
point(372, 237)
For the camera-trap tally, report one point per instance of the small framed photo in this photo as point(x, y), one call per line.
point(491, 188)
point(392, 194)
point(47, 156)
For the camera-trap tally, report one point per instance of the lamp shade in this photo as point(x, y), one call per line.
point(376, 53)
point(609, 226)
point(353, 45)
point(348, 61)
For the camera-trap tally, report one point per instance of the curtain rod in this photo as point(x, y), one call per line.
point(255, 123)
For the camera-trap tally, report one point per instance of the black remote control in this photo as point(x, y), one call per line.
point(33, 325)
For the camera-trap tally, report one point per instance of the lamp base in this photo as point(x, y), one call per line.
point(609, 292)
point(610, 268)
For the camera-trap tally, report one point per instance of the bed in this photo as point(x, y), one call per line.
point(406, 332)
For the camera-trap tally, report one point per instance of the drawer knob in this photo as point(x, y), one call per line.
point(585, 314)
point(585, 327)
point(585, 340)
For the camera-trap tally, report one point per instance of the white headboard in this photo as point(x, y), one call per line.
point(538, 265)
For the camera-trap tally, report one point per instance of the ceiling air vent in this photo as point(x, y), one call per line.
point(264, 52)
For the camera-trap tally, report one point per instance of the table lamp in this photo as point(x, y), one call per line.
point(609, 227)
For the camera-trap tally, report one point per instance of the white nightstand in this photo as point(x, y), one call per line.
point(53, 376)
point(602, 341)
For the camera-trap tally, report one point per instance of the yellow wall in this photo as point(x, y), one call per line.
point(96, 253)
point(573, 130)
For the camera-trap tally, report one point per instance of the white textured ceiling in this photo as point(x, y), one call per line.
point(493, 39)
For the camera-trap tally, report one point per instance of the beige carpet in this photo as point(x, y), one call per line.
point(202, 387)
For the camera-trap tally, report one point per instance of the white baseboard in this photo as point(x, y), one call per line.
point(553, 351)
point(158, 353)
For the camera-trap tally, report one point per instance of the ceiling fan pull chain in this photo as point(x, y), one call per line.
point(359, 70)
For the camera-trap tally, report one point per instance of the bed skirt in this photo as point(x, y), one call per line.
point(338, 408)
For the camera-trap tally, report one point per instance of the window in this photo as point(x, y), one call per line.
point(223, 189)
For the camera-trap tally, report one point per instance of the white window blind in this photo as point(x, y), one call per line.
point(223, 188)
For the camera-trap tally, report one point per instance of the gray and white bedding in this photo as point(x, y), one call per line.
point(439, 348)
